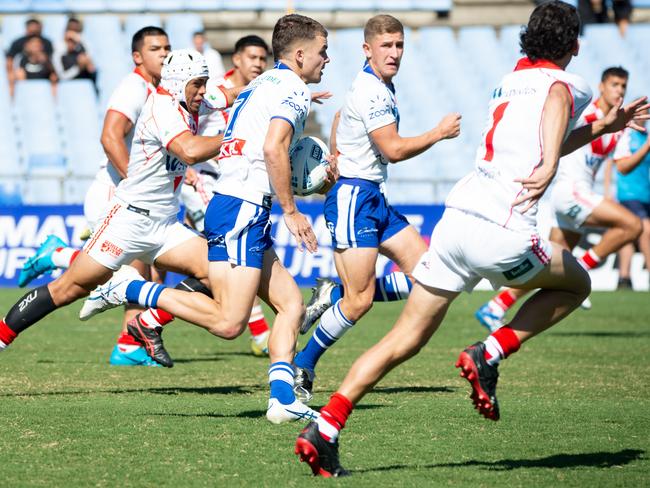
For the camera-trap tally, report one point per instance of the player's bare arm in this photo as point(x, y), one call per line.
point(397, 148)
point(318, 97)
point(335, 126)
point(193, 149)
point(116, 127)
point(555, 123)
point(616, 119)
point(276, 155)
point(628, 164)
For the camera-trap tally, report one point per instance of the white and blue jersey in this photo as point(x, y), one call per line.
point(369, 105)
point(237, 223)
point(356, 210)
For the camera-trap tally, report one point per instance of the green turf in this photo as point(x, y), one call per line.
point(575, 408)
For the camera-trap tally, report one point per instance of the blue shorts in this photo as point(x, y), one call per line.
point(638, 208)
point(358, 215)
point(237, 231)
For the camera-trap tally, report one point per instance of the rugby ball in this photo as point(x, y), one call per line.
point(308, 163)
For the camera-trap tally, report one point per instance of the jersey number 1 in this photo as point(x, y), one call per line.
point(497, 115)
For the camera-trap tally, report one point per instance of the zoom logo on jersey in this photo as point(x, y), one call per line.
point(27, 300)
point(297, 107)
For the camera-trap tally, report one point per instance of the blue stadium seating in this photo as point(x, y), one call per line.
point(14, 6)
point(39, 127)
point(180, 28)
point(47, 6)
point(136, 22)
point(10, 192)
point(207, 5)
point(13, 27)
point(83, 6)
point(126, 5)
point(77, 106)
point(54, 27)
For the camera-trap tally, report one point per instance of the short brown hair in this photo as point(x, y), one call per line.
point(292, 28)
point(382, 24)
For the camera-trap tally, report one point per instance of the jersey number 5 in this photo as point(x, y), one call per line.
point(497, 115)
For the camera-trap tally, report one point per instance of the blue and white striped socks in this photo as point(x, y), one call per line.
point(390, 288)
point(333, 324)
point(144, 293)
point(281, 381)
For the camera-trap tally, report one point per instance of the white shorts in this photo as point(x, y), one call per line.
point(572, 203)
point(124, 235)
point(99, 195)
point(465, 248)
point(196, 198)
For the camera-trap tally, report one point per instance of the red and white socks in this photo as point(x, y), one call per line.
point(333, 417)
point(501, 344)
point(589, 260)
point(7, 335)
point(155, 317)
point(501, 303)
point(63, 257)
point(126, 343)
point(257, 324)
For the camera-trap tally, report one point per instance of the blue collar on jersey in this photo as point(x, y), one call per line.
point(368, 69)
point(281, 65)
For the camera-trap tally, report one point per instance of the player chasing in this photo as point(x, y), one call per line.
point(576, 205)
point(360, 219)
point(489, 230)
point(140, 222)
point(266, 120)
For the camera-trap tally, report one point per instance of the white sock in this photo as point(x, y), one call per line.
point(62, 258)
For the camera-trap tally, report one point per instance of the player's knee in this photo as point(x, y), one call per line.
point(634, 229)
point(582, 287)
point(228, 330)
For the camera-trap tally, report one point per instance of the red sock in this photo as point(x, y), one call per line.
point(501, 344)
point(258, 326)
point(6, 334)
point(505, 299)
point(127, 340)
point(333, 416)
point(589, 260)
point(155, 317)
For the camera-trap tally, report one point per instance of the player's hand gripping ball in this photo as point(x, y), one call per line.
point(308, 166)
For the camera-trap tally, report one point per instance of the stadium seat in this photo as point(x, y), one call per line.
point(318, 5)
point(180, 28)
point(165, 5)
point(47, 6)
point(209, 5)
point(54, 27)
point(101, 33)
point(14, 6)
point(86, 5)
point(12, 164)
point(42, 190)
point(77, 106)
point(357, 5)
point(75, 189)
point(126, 5)
point(10, 192)
point(39, 127)
point(246, 5)
point(13, 27)
point(395, 5)
point(135, 22)
point(437, 5)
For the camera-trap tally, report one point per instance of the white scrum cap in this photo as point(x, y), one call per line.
point(179, 67)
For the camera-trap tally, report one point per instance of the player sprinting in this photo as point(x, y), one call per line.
point(360, 219)
point(489, 230)
point(574, 202)
point(140, 221)
point(149, 47)
point(265, 120)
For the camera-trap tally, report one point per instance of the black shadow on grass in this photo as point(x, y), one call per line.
point(415, 389)
point(247, 414)
point(620, 333)
point(173, 390)
point(599, 459)
point(215, 357)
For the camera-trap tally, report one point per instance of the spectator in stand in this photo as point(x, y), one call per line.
point(597, 12)
point(212, 56)
point(34, 63)
point(71, 60)
point(33, 28)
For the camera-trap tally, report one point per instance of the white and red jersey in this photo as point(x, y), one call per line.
point(277, 93)
point(512, 145)
point(128, 99)
point(155, 174)
point(582, 165)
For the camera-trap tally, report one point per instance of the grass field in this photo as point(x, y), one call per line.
point(575, 408)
